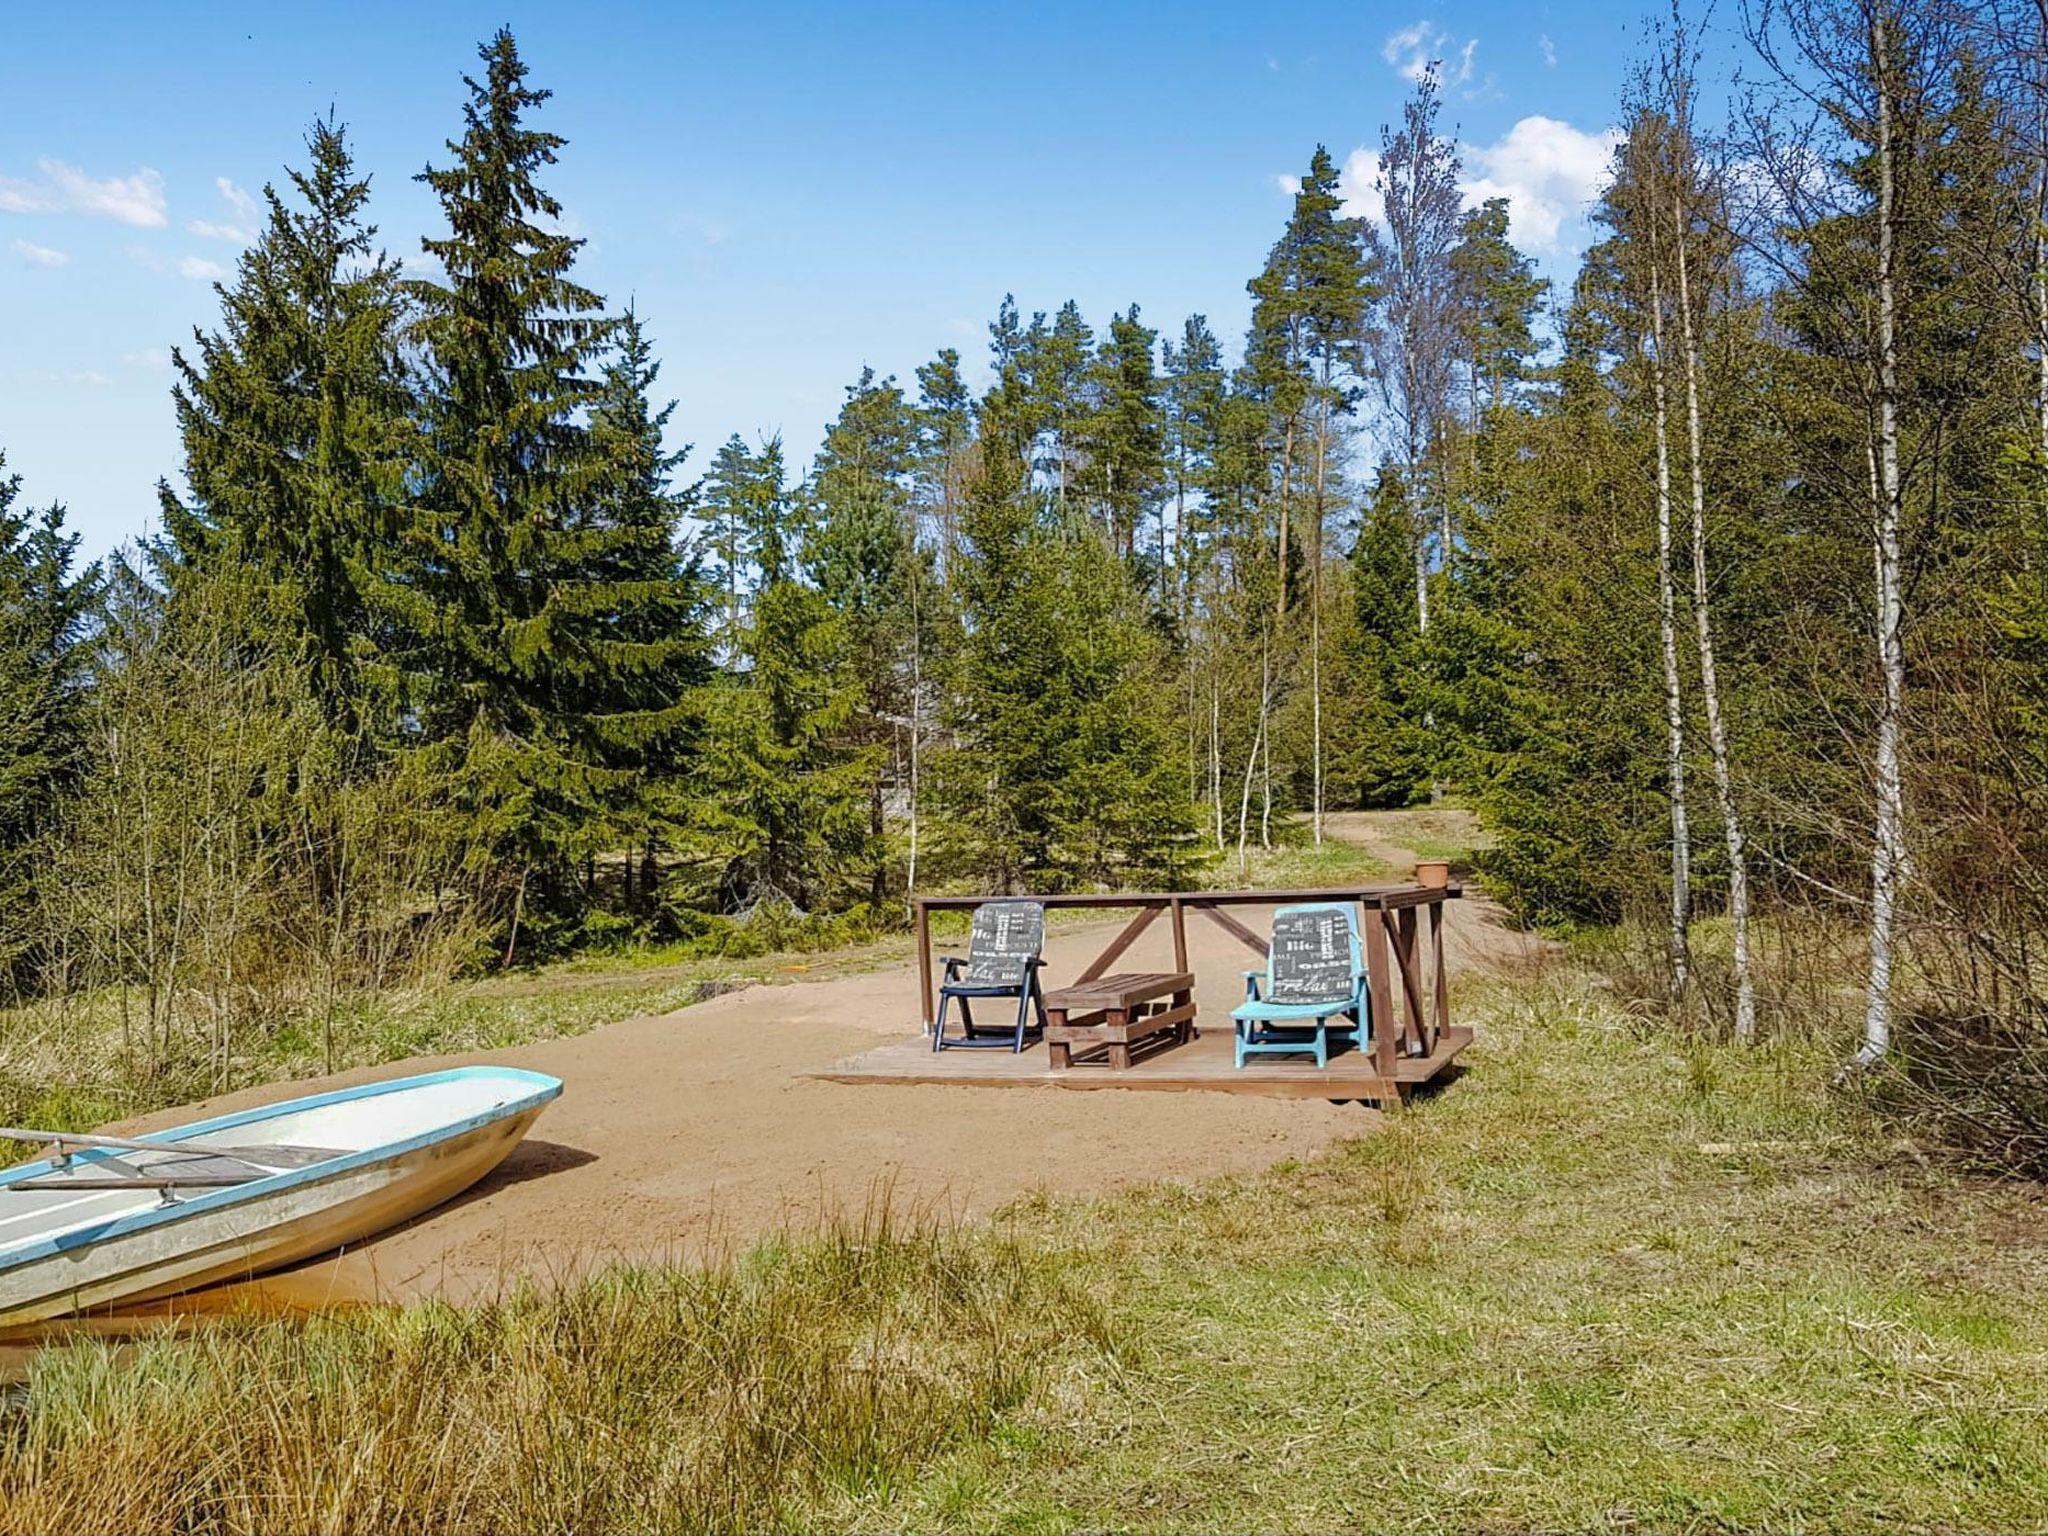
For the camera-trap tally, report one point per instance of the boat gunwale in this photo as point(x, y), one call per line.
point(545, 1090)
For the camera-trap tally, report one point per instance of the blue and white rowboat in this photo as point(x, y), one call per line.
point(110, 1219)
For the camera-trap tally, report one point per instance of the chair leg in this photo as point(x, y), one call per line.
point(939, 1024)
point(1023, 1013)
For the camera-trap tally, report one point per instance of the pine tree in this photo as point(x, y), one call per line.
point(864, 554)
point(1497, 295)
point(1057, 361)
point(727, 508)
point(787, 799)
point(1123, 437)
point(1061, 771)
point(294, 420)
point(1195, 385)
point(945, 430)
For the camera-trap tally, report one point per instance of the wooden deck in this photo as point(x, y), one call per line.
point(1202, 1065)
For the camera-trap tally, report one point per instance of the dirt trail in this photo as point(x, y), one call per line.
point(682, 1132)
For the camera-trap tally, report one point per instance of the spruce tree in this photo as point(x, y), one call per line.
point(538, 660)
point(660, 623)
point(294, 417)
point(44, 605)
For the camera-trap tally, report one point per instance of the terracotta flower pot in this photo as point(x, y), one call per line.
point(1434, 873)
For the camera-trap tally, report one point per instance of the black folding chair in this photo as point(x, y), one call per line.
point(1002, 961)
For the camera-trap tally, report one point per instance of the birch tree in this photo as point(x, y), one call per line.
point(1835, 142)
point(1688, 199)
point(1415, 337)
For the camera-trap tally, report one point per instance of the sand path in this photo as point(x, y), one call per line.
point(679, 1133)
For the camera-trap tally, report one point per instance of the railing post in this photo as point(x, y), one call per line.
point(1401, 931)
point(1384, 1027)
point(923, 924)
point(1441, 986)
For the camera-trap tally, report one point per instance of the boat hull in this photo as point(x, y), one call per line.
point(265, 1230)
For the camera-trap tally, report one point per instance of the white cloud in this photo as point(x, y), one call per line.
point(237, 199)
point(150, 359)
point(1288, 186)
point(1548, 49)
point(244, 207)
point(1548, 171)
point(200, 270)
point(39, 255)
point(1413, 49)
point(136, 199)
point(1358, 184)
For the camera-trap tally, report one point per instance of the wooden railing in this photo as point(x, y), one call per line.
point(1388, 925)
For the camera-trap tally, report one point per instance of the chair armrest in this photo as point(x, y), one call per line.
point(952, 963)
point(1251, 985)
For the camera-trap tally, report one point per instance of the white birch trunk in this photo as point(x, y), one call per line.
point(1244, 799)
point(1420, 524)
point(1678, 942)
point(1216, 754)
point(1703, 626)
point(1888, 852)
point(916, 716)
point(1266, 760)
point(1315, 615)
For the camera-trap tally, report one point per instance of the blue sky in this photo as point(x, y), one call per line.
point(787, 192)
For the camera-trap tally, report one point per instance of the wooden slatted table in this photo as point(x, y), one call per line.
point(1114, 1013)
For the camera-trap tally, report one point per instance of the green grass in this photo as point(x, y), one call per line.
point(1603, 1280)
point(1599, 1281)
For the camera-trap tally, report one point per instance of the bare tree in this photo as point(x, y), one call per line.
point(1414, 340)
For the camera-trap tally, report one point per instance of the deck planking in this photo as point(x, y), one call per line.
point(1201, 1066)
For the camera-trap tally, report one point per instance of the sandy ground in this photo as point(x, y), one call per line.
point(680, 1133)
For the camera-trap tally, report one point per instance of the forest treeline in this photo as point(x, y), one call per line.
point(1716, 582)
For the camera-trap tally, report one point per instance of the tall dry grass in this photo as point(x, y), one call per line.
point(771, 1391)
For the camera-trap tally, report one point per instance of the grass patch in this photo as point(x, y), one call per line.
point(1609, 1278)
point(805, 1381)
point(1604, 1280)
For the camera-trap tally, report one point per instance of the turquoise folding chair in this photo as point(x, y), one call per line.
point(1315, 973)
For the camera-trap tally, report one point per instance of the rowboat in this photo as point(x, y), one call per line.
point(114, 1219)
